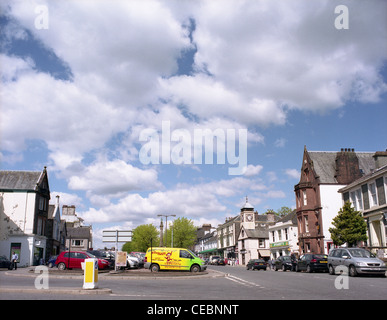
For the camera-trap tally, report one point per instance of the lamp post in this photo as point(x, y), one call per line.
point(166, 223)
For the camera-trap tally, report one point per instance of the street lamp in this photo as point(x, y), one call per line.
point(166, 223)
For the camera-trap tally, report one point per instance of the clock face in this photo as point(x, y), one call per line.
point(249, 217)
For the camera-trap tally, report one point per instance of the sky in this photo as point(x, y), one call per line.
point(121, 100)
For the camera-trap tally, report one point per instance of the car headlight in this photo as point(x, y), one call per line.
point(361, 264)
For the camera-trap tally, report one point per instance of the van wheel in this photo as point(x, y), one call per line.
point(61, 266)
point(195, 268)
point(155, 267)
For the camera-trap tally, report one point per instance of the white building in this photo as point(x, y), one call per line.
point(369, 196)
point(253, 238)
point(24, 202)
point(283, 236)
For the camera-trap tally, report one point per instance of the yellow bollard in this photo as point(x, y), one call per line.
point(90, 279)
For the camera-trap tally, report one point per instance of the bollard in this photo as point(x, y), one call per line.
point(90, 278)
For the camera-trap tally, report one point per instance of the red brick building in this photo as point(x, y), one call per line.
point(323, 173)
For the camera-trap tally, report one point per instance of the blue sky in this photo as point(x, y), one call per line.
point(81, 80)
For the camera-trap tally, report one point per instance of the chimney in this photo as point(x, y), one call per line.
point(57, 200)
point(380, 159)
point(347, 166)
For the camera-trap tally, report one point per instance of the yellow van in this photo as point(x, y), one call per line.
point(173, 259)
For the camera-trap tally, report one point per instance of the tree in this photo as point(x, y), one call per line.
point(141, 238)
point(349, 227)
point(284, 211)
point(184, 233)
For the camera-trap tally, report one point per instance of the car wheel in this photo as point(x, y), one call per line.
point(352, 271)
point(61, 266)
point(155, 267)
point(331, 270)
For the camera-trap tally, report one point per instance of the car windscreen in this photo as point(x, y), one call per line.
point(361, 253)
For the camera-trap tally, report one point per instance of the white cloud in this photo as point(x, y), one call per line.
point(293, 173)
point(114, 178)
point(252, 170)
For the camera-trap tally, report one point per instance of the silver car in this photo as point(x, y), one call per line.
point(356, 261)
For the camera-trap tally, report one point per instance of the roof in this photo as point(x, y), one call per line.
point(324, 164)
point(19, 180)
point(367, 177)
point(79, 233)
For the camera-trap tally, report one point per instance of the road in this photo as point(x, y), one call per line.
point(223, 283)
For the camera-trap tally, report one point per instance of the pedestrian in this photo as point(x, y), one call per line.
point(14, 259)
point(270, 263)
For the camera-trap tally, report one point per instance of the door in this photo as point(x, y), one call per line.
point(302, 263)
point(186, 260)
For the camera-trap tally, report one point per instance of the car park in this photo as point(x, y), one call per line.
point(256, 264)
point(74, 259)
point(312, 262)
point(283, 263)
point(356, 261)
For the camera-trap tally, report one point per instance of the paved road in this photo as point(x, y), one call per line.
point(222, 283)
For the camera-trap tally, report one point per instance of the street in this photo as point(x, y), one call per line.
point(221, 283)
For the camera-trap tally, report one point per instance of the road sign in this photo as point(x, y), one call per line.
point(116, 235)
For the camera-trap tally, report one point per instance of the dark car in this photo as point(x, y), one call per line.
point(4, 262)
point(283, 263)
point(312, 262)
point(256, 264)
point(102, 255)
point(51, 261)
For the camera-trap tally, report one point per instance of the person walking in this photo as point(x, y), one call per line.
point(15, 258)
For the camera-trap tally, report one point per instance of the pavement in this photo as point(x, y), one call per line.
point(78, 274)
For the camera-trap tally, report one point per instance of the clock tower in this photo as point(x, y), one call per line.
point(247, 216)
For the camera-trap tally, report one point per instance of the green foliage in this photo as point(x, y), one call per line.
point(349, 227)
point(184, 233)
point(141, 238)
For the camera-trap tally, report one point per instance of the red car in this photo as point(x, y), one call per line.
point(73, 259)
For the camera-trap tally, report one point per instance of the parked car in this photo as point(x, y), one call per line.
point(73, 260)
point(140, 256)
point(256, 264)
point(221, 262)
point(51, 261)
point(283, 263)
point(214, 259)
point(357, 260)
point(132, 261)
point(105, 256)
point(4, 262)
point(312, 262)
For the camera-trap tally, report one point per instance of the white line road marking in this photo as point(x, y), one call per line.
point(243, 282)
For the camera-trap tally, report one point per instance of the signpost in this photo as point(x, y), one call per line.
point(116, 236)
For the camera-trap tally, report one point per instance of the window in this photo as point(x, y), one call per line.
point(359, 200)
point(286, 234)
point(77, 243)
point(261, 243)
point(185, 254)
point(304, 197)
point(306, 224)
point(273, 235)
point(41, 226)
point(374, 199)
point(279, 235)
point(298, 199)
point(352, 195)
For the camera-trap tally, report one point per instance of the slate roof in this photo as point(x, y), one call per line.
point(19, 180)
point(324, 163)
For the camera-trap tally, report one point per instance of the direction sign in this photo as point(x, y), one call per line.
point(116, 235)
